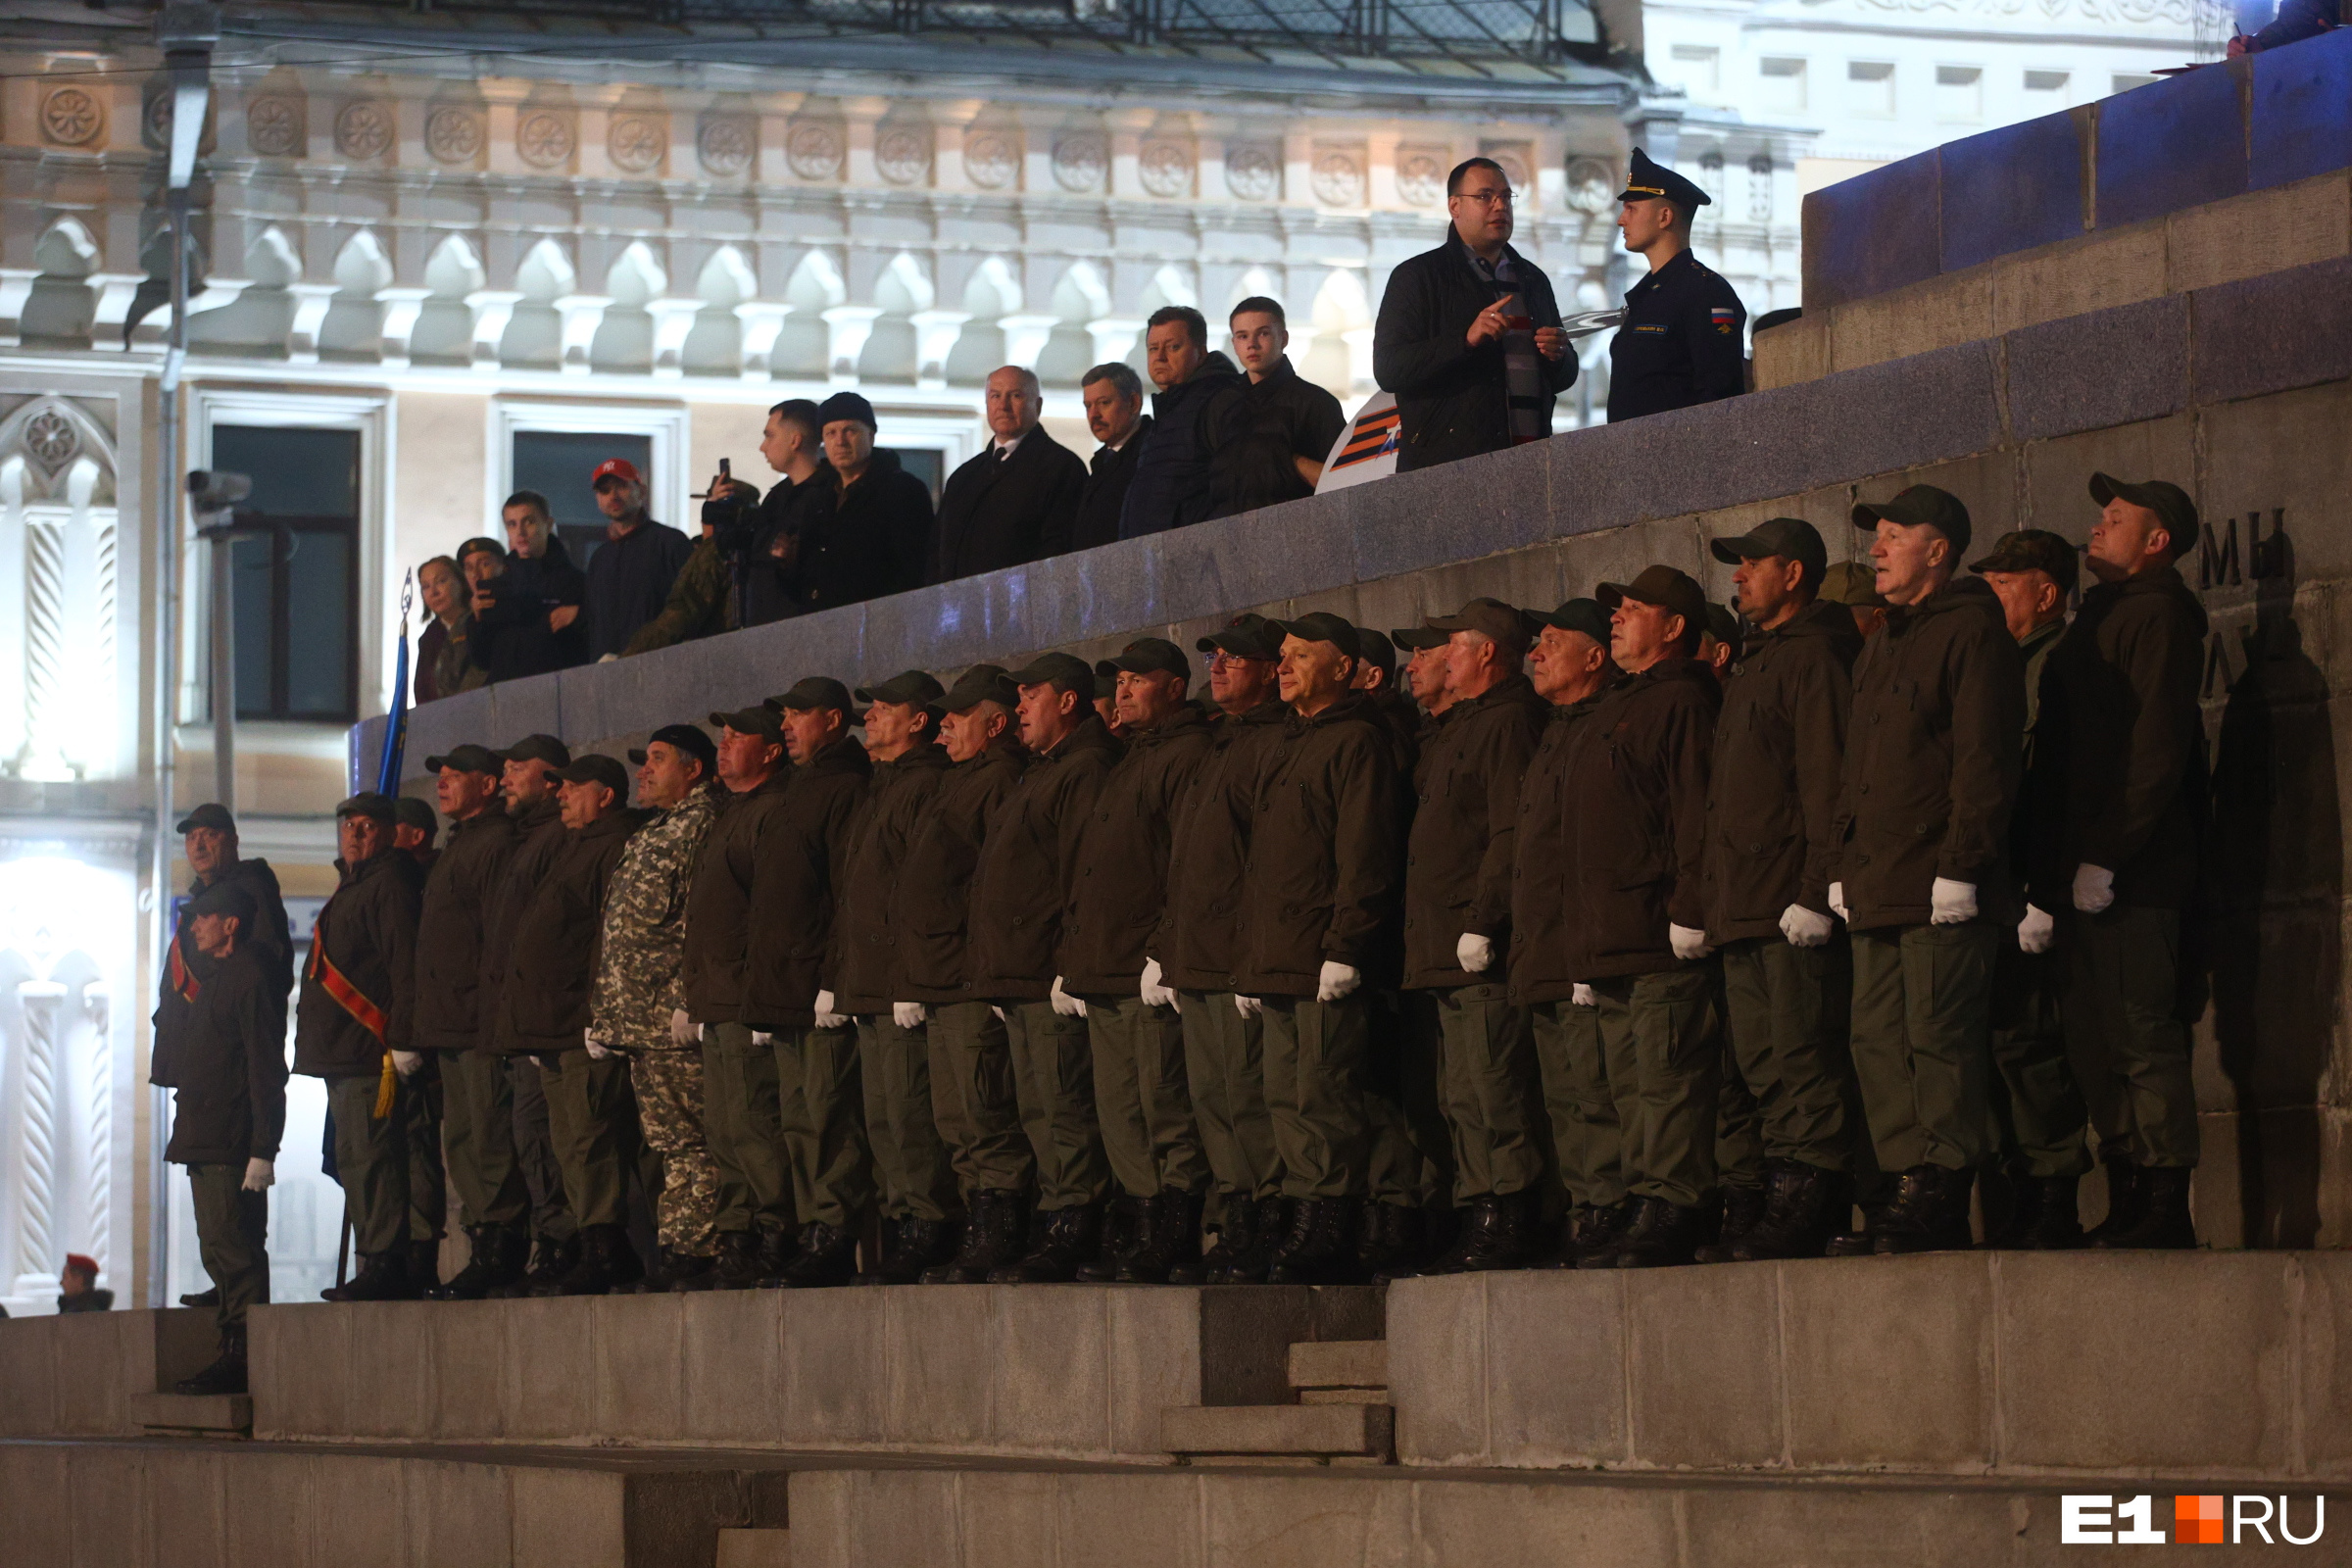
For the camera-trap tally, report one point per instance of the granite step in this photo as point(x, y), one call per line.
point(224, 1415)
point(1322, 1434)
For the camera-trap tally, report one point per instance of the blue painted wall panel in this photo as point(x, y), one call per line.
point(2176, 145)
point(2011, 189)
point(2302, 110)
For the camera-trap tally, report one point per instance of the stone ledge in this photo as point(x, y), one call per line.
point(75, 1374)
point(228, 1413)
point(1341, 1364)
point(1288, 1431)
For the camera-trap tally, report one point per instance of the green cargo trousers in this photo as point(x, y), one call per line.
point(591, 1126)
point(1141, 1098)
point(668, 1086)
point(535, 1153)
point(1411, 1160)
point(371, 1161)
point(910, 1162)
point(823, 1119)
point(1923, 1048)
point(232, 1235)
point(1225, 1066)
point(1488, 1085)
point(2124, 1036)
point(1786, 1010)
point(477, 1139)
point(973, 1101)
point(1663, 1042)
point(1315, 1054)
point(1053, 1078)
point(743, 1121)
point(2036, 1110)
point(428, 1177)
point(1580, 1103)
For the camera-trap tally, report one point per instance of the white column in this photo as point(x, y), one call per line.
point(402, 304)
point(493, 309)
point(935, 333)
point(98, 1125)
point(673, 318)
point(761, 321)
point(1359, 356)
point(312, 301)
point(582, 315)
point(846, 328)
point(45, 653)
point(1114, 336)
point(38, 1257)
point(16, 287)
point(1025, 337)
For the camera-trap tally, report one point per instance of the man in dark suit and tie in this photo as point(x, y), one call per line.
point(1113, 394)
point(1018, 500)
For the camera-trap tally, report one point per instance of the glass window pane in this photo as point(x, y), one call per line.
point(295, 474)
point(319, 629)
point(250, 584)
point(558, 463)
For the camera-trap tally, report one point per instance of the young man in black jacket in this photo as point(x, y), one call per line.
point(1270, 431)
point(527, 616)
point(1469, 336)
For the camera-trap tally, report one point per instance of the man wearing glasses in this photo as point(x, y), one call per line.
point(1469, 336)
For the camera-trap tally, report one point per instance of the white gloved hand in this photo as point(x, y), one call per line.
point(1951, 903)
point(1067, 1006)
point(909, 1014)
point(259, 1175)
point(1248, 1006)
point(2095, 888)
point(596, 1050)
point(1337, 980)
point(999, 1011)
point(1474, 952)
point(1581, 997)
point(1837, 902)
point(1153, 991)
point(406, 1063)
point(1689, 946)
point(610, 658)
point(2038, 930)
point(682, 1030)
point(826, 1018)
point(761, 1039)
point(1801, 927)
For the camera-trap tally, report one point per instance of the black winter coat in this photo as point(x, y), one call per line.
point(1108, 476)
point(358, 985)
point(1170, 489)
point(231, 1102)
point(864, 541)
point(1003, 512)
point(512, 638)
point(628, 583)
point(1452, 400)
point(1257, 429)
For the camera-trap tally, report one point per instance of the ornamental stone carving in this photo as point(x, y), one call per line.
point(726, 143)
point(902, 155)
point(1338, 179)
point(1420, 177)
point(1513, 161)
point(1080, 162)
point(544, 138)
point(273, 126)
point(453, 135)
point(813, 149)
point(1591, 185)
point(991, 160)
point(364, 131)
point(636, 142)
point(73, 117)
point(1165, 168)
point(1253, 173)
point(155, 120)
point(52, 440)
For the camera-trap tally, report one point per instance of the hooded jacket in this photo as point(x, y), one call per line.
point(1199, 938)
point(1458, 868)
point(1171, 488)
point(1779, 749)
point(539, 838)
point(795, 877)
point(2135, 777)
point(1023, 882)
point(272, 947)
point(1121, 886)
point(935, 889)
point(357, 988)
point(1326, 866)
point(1452, 400)
point(1634, 800)
point(1932, 759)
point(554, 946)
point(865, 925)
point(1539, 962)
point(231, 1100)
point(451, 935)
point(716, 971)
point(2037, 827)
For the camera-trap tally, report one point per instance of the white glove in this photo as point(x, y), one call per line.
point(406, 1063)
point(1248, 1006)
point(1952, 903)
point(1688, 946)
point(2038, 930)
point(999, 1011)
point(759, 1038)
point(1837, 902)
point(596, 1052)
point(259, 1175)
point(1067, 1006)
point(682, 1030)
point(1337, 980)
point(1581, 997)
point(909, 1014)
point(826, 1018)
point(610, 658)
point(1474, 952)
point(2095, 888)
point(1153, 991)
point(1801, 927)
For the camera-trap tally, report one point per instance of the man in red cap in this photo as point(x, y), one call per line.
point(630, 573)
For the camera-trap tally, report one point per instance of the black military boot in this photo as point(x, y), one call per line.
point(496, 1260)
point(668, 1269)
point(1126, 1228)
point(911, 1246)
point(1928, 1214)
point(735, 1257)
point(1588, 1229)
point(1171, 1251)
point(1244, 1244)
point(1803, 1207)
point(607, 1262)
point(2164, 1219)
point(1742, 1211)
point(1393, 1242)
point(1321, 1247)
point(425, 1266)
point(1661, 1235)
point(993, 1237)
point(210, 1295)
point(2043, 1216)
point(226, 1374)
point(550, 1261)
point(1059, 1244)
point(829, 1257)
point(2124, 1198)
point(1494, 1233)
point(382, 1277)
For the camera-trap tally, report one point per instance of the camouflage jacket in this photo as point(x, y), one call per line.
point(636, 986)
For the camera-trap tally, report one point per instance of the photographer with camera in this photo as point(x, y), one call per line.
point(867, 528)
point(740, 572)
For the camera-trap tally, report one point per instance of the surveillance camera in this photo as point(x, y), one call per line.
point(216, 490)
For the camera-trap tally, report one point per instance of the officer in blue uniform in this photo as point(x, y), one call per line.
point(1682, 339)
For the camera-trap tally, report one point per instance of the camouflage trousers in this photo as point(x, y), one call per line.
point(669, 1107)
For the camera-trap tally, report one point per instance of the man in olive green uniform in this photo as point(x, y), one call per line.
point(2033, 573)
point(2135, 784)
point(1921, 871)
point(1136, 1033)
point(1772, 818)
point(356, 995)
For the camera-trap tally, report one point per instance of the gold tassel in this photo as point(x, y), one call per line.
point(385, 1088)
